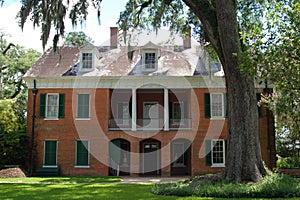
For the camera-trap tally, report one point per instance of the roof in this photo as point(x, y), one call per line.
point(52, 64)
point(173, 60)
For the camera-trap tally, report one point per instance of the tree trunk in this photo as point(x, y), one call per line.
point(243, 161)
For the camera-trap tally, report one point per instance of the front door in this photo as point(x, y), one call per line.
point(151, 158)
point(150, 116)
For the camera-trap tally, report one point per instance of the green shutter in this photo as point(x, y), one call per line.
point(258, 98)
point(225, 105)
point(43, 105)
point(61, 109)
point(82, 154)
point(207, 105)
point(208, 152)
point(50, 153)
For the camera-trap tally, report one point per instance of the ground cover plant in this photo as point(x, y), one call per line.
point(274, 185)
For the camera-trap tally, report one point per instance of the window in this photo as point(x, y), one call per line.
point(177, 112)
point(215, 153)
point(52, 105)
point(82, 153)
point(218, 152)
point(50, 153)
point(178, 154)
point(123, 113)
point(83, 106)
point(87, 61)
point(150, 61)
point(215, 105)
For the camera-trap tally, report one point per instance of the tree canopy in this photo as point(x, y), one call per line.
point(77, 39)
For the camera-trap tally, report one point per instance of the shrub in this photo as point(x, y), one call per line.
point(273, 185)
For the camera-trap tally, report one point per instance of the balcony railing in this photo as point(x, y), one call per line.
point(146, 124)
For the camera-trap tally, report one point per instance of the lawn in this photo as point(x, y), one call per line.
point(77, 188)
point(81, 191)
point(67, 180)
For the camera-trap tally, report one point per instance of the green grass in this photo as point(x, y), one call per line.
point(86, 191)
point(65, 180)
point(76, 188)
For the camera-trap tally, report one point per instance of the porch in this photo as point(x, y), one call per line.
point(149, 109)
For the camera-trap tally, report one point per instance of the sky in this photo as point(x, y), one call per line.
point(30, 37)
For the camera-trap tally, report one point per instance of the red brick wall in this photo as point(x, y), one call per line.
point(67, 130)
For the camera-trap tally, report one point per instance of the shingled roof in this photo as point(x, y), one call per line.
point(53, 64)
point(173, 60)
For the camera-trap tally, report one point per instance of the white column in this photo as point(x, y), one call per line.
point(166, 109)
point(133, 107)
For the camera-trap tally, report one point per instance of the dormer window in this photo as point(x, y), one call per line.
point(89, 56)
point(150, 55)
point(150, 61)
point(87, 60)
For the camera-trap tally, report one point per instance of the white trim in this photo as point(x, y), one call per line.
point(222, 106)
point(57, 104)
point(83, 118)
point(88, 149)
point(218, 164)
point(126, 82)
point(133, 110)
point(166, 110)
point(45, 152)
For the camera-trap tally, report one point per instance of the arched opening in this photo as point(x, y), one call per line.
point(180, 157)
point(150, 162)
point(119, 157)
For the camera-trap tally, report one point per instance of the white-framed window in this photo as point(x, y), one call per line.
point(150, 60)
point(123, 113)
point(177, 112)
point(52, 106)
point(217, 105)
point(178, 154)
point(82, 153)
point(86, 61)
point(218, 153)
point(83, 106)
point(50, 153)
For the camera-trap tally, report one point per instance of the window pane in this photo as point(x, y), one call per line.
point(177, 114)
point(150, 60)
point(83, 106)
point(87, 60)
point(82, 155)
point(217, 105)
point(52, 105)
point(218, 152)
point(123, 113)
point(50, 153)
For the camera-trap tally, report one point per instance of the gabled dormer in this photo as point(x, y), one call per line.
point(89, 54)
point(150, 55)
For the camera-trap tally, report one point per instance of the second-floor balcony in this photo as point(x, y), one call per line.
point(149, 109)
point(148, 124)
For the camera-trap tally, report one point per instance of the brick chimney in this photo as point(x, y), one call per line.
point(187, 40)
point(114, 36)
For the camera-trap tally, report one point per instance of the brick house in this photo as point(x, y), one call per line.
point(162, 112)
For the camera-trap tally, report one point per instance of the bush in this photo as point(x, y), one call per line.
point(273, 185)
